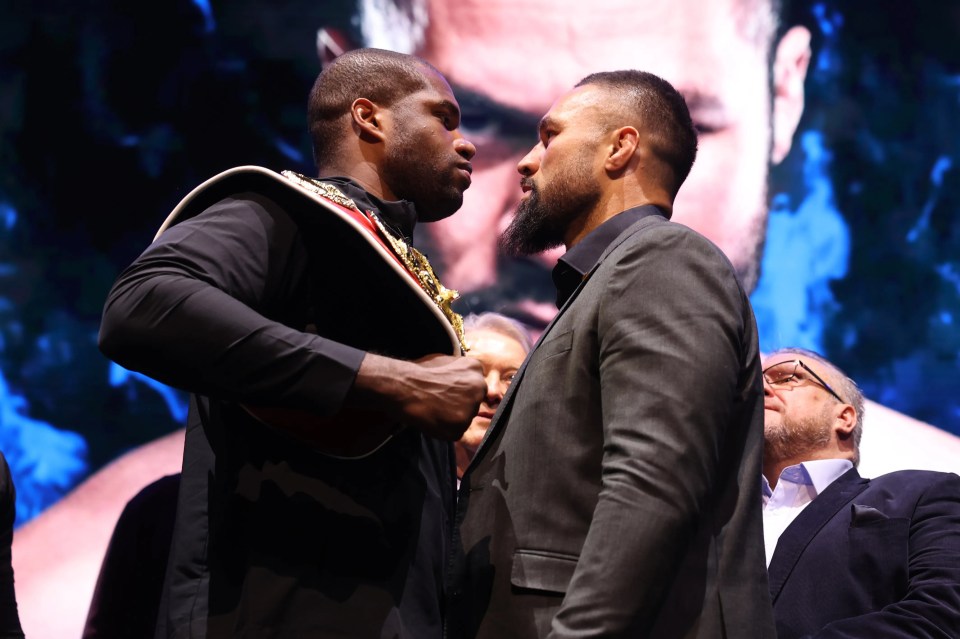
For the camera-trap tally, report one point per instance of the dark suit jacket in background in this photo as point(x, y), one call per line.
point(872, 558)
point(620, 475)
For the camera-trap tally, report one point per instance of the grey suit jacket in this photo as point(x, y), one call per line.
point(616, 493)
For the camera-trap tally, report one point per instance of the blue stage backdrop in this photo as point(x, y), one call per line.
point(111, 112)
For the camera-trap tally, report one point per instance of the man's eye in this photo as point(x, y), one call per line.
point(479, 124)
point(707, 125)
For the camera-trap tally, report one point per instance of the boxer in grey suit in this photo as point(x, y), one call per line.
point(616, 493)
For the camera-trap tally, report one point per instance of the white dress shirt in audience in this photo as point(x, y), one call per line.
point(798, 486)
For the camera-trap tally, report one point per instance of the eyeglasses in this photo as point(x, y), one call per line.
point(788, 374)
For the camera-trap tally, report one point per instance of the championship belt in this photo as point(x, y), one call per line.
point(380, 294)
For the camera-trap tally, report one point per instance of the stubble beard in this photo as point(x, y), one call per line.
point(425, 181)
point(748, 263)
point(796, 438)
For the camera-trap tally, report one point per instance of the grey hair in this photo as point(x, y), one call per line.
point(845, 387)
point(397, 25)
point(498, 323)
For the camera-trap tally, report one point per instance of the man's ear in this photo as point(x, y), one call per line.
point(623, 149)
point(789, 73)
point(845, 420)
point(368, 119)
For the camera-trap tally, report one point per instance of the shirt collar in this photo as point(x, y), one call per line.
point(400, 216)
point(580, 260)
point(818, 473)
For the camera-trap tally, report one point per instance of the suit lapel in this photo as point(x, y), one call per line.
point(808, 523)
point(503, 411)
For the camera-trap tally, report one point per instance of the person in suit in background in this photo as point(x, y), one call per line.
point(849, 556)
point(501, 344)
point(615, 494)
point(9, 617)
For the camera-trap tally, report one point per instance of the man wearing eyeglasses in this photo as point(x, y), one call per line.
point(849, 556)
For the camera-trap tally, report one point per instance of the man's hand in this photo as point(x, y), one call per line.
point(437, 394)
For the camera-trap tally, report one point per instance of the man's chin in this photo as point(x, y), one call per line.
point(474, 434)
point(436, 211)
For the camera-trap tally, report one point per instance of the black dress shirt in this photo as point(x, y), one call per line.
point(244, 304)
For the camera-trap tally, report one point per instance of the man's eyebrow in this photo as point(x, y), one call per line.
point(546, 122)
point(708, 111)
point(480, 101)
point(512, 121)
point(449, 105)
point(699, 101)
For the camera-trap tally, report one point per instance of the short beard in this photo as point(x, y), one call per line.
point(793, 439)
point(423, 180)
point(543, 218)
point(749, 265)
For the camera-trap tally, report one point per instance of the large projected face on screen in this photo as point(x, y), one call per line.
point(833, 189)
point(509, 61)
point(860, 215)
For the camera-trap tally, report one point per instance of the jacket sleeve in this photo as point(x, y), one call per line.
point(205, 308)
point(673, 331)
point(930, 607)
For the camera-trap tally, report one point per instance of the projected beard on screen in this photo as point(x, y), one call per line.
point(110, 129)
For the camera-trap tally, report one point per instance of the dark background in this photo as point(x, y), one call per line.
point(110, 112)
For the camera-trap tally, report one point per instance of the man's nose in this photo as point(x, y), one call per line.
point(767, 387)
point(465, 148)
point(530, 163)
point(494, 389)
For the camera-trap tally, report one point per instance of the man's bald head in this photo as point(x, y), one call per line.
point(383, 77)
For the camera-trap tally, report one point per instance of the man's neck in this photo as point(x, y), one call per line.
point(609, 206)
